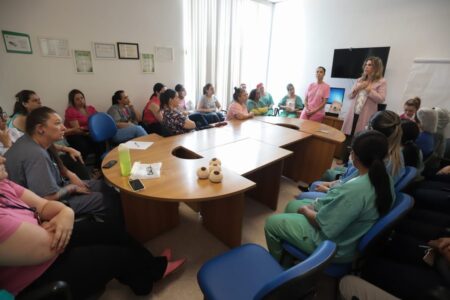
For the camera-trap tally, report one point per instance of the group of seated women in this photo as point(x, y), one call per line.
point(343, 210)
point(56, 226)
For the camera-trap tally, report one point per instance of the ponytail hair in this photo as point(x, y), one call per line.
point(38, 116)
point(157, 88)
point(165, 98)
point(414, 102)
point(388, 123)
point(411, 152)
point(22, 97)
point(370, 148)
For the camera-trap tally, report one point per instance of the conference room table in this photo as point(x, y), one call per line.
point(254, 154)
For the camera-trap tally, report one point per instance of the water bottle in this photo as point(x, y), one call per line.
point(124, 160)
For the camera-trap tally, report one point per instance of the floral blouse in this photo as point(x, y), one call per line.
point(174, 120)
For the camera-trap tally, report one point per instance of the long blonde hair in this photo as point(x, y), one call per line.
point(377, 68)
point(388, 123)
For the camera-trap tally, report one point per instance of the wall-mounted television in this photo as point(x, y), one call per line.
point(347, 63)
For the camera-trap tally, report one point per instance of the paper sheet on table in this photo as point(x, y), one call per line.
point(138, 145)
point(145, 171)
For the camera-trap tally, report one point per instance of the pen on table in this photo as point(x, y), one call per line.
point(424, 246)
point(137, 145)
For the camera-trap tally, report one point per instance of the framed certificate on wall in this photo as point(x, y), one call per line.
point(128, 50)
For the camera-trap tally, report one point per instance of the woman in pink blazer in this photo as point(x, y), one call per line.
point(368, 91)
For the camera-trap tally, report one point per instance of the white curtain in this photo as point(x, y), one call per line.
point(226, 43)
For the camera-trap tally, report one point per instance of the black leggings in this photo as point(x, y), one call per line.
point(98, 253)
point(86, 146)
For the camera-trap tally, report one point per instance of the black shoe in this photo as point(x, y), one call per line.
point(303, 188)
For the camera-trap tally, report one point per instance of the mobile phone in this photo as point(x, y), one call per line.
point(136, 184)
point(109, 164)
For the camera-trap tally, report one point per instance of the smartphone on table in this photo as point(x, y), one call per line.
point(136, 184)
point(109, 164)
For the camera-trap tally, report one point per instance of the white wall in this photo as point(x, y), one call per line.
point(412, 28)
point(148, 23)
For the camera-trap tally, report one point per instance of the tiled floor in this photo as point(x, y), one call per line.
point(191, 240)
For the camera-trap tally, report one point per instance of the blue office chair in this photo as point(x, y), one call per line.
point(102, 128)
point(250, 272)
point(369, 243)
point(410, 174)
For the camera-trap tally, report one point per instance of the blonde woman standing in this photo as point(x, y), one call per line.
point(368, 91)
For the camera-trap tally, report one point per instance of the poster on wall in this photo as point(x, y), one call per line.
point(83, 61)
point(17, 42)
point(164, 54)
point(54, 47)
point(148, 63)
point(104, 50)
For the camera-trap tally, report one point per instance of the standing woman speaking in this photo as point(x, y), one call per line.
point(368, 91)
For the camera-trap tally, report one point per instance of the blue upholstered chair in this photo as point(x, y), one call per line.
point(250, 272)
point(410, 174)
point(402, 182)
point(102, 128)
point(367, 244)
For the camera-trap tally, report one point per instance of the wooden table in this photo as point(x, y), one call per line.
point(312, 155)
point(254, 154)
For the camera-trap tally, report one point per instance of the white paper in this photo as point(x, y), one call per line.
point(145, 171)
point(138, 145)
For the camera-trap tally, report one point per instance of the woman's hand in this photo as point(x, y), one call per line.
point(74, 154)
point(61, 226)
point(5, 139)
point(323, 188)
point(444, 171)
point(305, 209)
point(443, 246)
point(74, 179)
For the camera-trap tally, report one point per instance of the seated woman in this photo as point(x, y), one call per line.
point(411, 152)
point(40, 243)
point(123, 113)
point(291, 104)
point(209, 105)
point(26, 102)
point(173, 120)
point(427, 118)
point(238, 109)
point(185, 107)
point(388, 123)
point(266, 98)
point(410, 109)
point(346, 213)
point(76, 118)
point(255, 106)
point(151, 117)
point(32, 163)
point(7, 135)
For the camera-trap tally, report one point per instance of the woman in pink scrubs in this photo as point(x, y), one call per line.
point(316, 98)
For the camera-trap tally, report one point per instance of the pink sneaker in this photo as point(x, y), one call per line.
point(173, 266)
point(167, 253)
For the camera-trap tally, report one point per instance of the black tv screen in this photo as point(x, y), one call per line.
point(347, 63)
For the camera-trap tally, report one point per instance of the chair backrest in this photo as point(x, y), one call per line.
point(101, 127)
point(403, 203)
point(410, 174)
point(298, 281)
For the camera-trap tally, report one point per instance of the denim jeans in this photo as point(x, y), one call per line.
point(128, 133)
